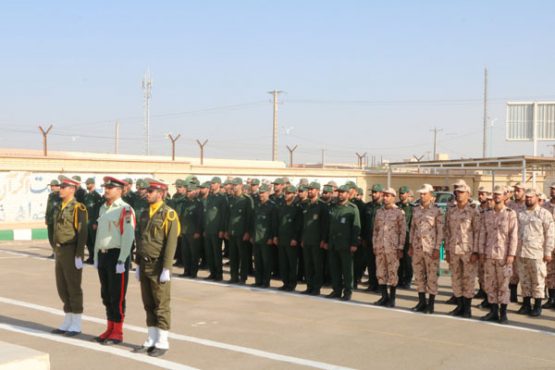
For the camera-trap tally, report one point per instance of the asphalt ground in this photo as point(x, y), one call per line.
point(240, 327)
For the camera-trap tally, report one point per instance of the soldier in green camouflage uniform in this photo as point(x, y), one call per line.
point(265, 230)
point(367, 229)
point(51, 204)
point(190, 215)
point(93, 200)
point(405, 263)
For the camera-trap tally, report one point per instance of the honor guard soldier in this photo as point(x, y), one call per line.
point(70, 236)
point(51, 204)
point(342, 243)
point(129, 196)
point(461, 232)
point(405, 263)
point(536, 231)
point(498, 244)
point(360, 260)
point(388, 242)
point(214, 219)
point(92, 201)
point(367, 221)
point(265, 229)
point(426, 235)
point(158, 229)
point(115, 235)
point(190, 210)
point(79, 192)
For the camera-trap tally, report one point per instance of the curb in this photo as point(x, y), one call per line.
point(23, 234)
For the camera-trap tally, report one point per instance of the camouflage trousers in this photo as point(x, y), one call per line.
point(496, 280)
point(532, 274)
point(387, 265)
point(463, 275)
point(481, 273)
point(425, 269)
point(550, 279)
point(514, 277)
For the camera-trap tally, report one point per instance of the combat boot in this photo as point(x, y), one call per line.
point(431, 302)
point(458, 311)
point(392, 294)
point(480, 294)
point(484, 304)
point(452, 300)
point(503, 314)
point(383, 300)
point(551, 301)
point(537, 311)
point(514, 297)
point(525, 309)
point(467, 308)
point(421, 306)
point(493, 314)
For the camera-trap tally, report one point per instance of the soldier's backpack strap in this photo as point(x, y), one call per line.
point(78, 207)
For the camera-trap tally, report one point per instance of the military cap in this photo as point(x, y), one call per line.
point(377, 188)
point(302, 188)
point(54, 183)
point(489, 196)
point(518, 185)
point(463, 188)
point(360, 191)
point(390, 191)
point(204, 185)
point(76, 178)
point(255, 182)
point(264, 188)
point(327, 189)
point(180, 183)
point(90, 180)
point(332, 183)
point(343, 188)
point(142, 184)
point(286, 180)
point(279, 181)
point(227, 182)
point(483, 189)
point(66, 181)
point(128, 180)
point(303, 181)
point(459, 183)
point(314, 185)
point(530, 192)
point(237, 181)
point(351, 184)
point(192, 186)
point(542, 196)
point(426, 188)
point(216, 180)
point(157, 184)
point(291, 189)
point(404, 190)
point(112, 182)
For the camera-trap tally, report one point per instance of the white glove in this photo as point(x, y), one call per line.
point(120, 268)
point(78, 263)
point(137, 273)
point(165, 276)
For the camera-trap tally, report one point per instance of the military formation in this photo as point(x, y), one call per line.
point(321, 235)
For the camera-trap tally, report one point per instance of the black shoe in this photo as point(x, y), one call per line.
point(514, 297)
point(58, 331)
point(392, 294)
point(306, 292)
point(72, 333)
point(233, 281)
point(383, 300)
point(551, 301)
point(218, 278)
point(209, 277)
point(503, 314)
point(284, 287)
point(537, 311)
point(452, 300)
point(431, 303)
point(484, 304)
point(526, 308)
point(157, 352)
point(315, 292)
point(51, 256)
point(334, 294)
point(372, 288)
point(492, 314)
point(265, 285)
point(143, 349)
point(458, 311)
point(111, 342)
point(480, 294)
point(346, 296)
point(467, 308)
point(421, 306)
point(290, 288)
point(89, 261)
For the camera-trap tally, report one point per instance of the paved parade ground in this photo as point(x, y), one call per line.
point(238, 327)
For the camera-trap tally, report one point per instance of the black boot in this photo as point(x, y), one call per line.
point(537, 311)
point(493, 314)
point(421, 306)
point(431, 302)
point(503, 314)
point(525, 309)
point(392, 294)
point(514, 297)
point(480, 294)
point(383, 300)
point(484, 304)
point(467, 308)
point(458, 311)
point(551, 301)
point(452, 300)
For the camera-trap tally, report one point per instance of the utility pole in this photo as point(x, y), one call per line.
point(484, 146)
point(173, 140)
point(116, 149)
point(435, 131)
point(360, 159)
point(201, 146)
point(323, 157)
point(291, 150)
point(275, 94)
point(147, 88)
point(45, 139)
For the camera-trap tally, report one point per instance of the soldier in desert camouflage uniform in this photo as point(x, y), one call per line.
point(498, 244)
point(550, 279)
point(483, 197)
point(535, 247)
point(388, 241)
point(518, 205)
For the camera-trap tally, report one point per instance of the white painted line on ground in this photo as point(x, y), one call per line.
point(165, 364)
point(190, 339)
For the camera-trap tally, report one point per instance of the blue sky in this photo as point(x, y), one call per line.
point(358, 76)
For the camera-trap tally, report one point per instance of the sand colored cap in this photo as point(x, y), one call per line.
point(426, 188)
point(390, 191)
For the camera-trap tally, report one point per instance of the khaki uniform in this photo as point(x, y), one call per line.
point(481, 268)
point(70, 237)
point(536, 240)
point(156, 247)
point(550, 279)
point(498, 240)
point(517, 207)
point(388, 237)
point(426, 235)
point(462, 227)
